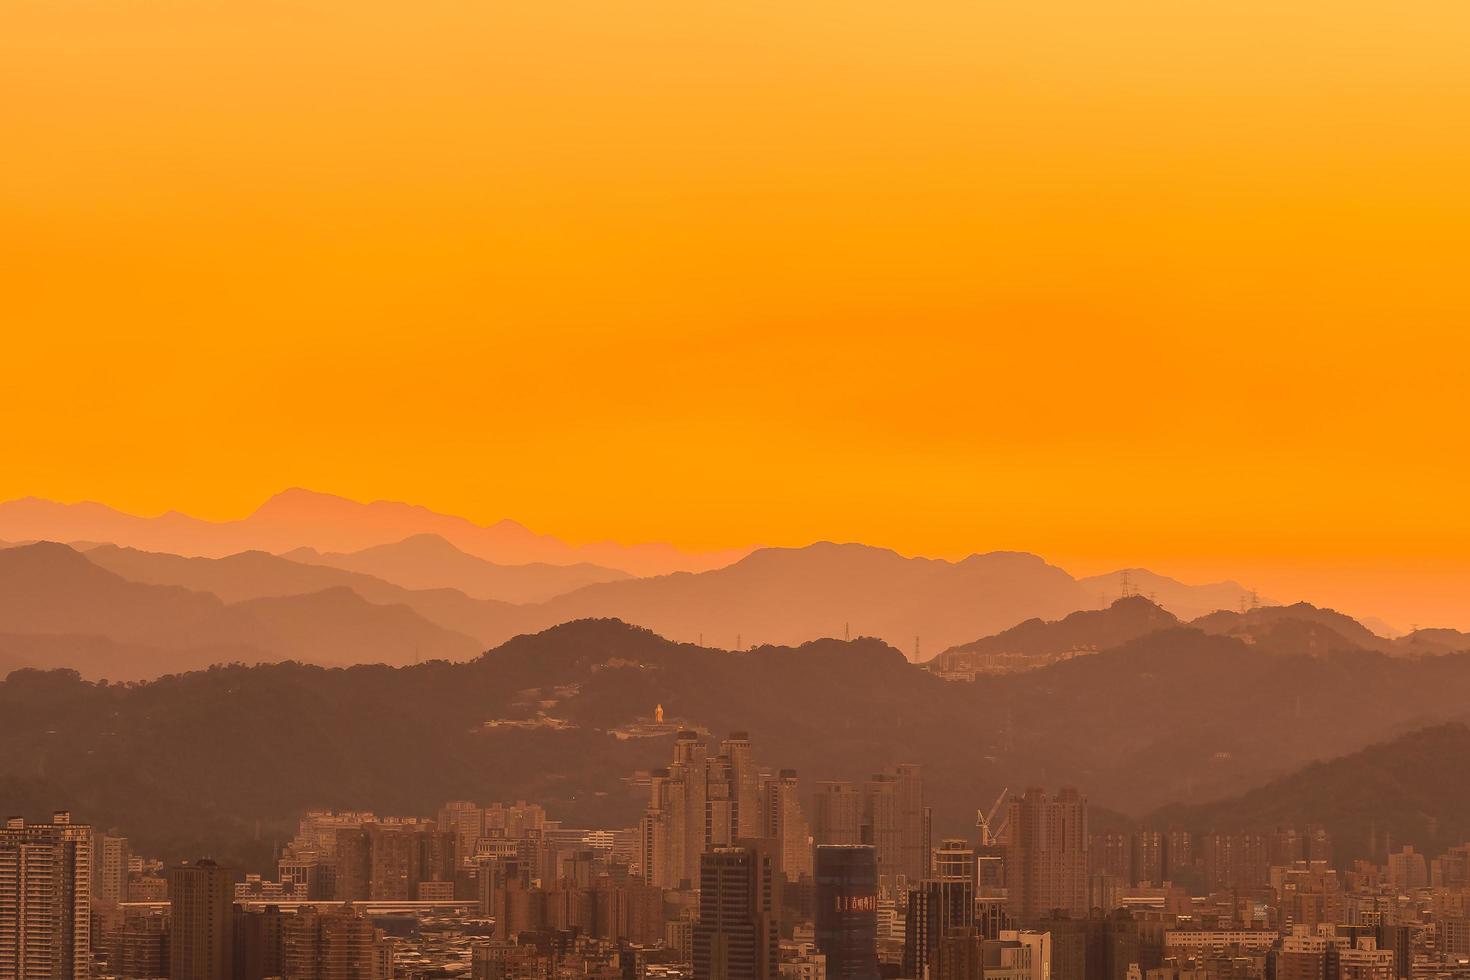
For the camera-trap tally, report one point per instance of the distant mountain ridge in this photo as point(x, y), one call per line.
point(298, 518)
point(773, 595)
point(428, 561)
point(51, 590)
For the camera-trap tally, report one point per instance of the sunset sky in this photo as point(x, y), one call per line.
point(1175, 284)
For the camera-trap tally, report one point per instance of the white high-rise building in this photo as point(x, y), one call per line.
point(45, 900)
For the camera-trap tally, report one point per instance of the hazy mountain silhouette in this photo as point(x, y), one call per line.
point(774, 595)
point(1403, 789)
point(1432, 642)
point(791, 595)
point(256, 575)
point(1099, 629)
point(299, 518)
point(427, 561)
point(1298, 628)
point(167, 762)
point(51, 589)
point(1185, 601)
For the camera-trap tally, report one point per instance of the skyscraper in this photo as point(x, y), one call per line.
point(1046, 854)
point(45, 900)
point(745, 778)
point(785, 824)
point(846, 914)
point(837, 813)
point(943, 904)
point(201, 921)
point(913, 822)
point(895, 822)
point(881, 825)
point(737, 935)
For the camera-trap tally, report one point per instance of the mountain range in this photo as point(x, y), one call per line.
point(1177, 715)
point(774, 595)
point(299, 518)
point(427, 561)
point(52, 591)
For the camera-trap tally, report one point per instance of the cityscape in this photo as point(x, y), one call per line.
point(737, 871)
point(734, 490)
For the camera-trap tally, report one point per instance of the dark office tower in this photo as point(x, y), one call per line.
point(846, 913)
point(944, 904)
point(913, 822)
point(201, 921)
point(1046, 854)
point(837, 813)
point(45, 899)
point(737, 936)
point(258, 943)
point(745, 779)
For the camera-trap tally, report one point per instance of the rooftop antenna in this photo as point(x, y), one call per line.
point(847, 631)
point(737, 642)
point(701, 639)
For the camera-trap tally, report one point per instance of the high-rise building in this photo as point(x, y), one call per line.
point(913, 822)
point(466, 821)
point(141, 946)
point(259, 943)
point(846, 913)
point(881, 826)
point(46, 900)
point(895, 822)
point(745, 778)
point(331, 945)
point(944, 904)
point(689, 777)
point(1046, 854)
point(785, 824)
point(737, 935)
point(201, 921)
point(110, 865)
point(837, 813)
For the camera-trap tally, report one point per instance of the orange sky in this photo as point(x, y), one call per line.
point(1165, 283)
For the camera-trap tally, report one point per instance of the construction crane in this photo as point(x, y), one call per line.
point(989, 832)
